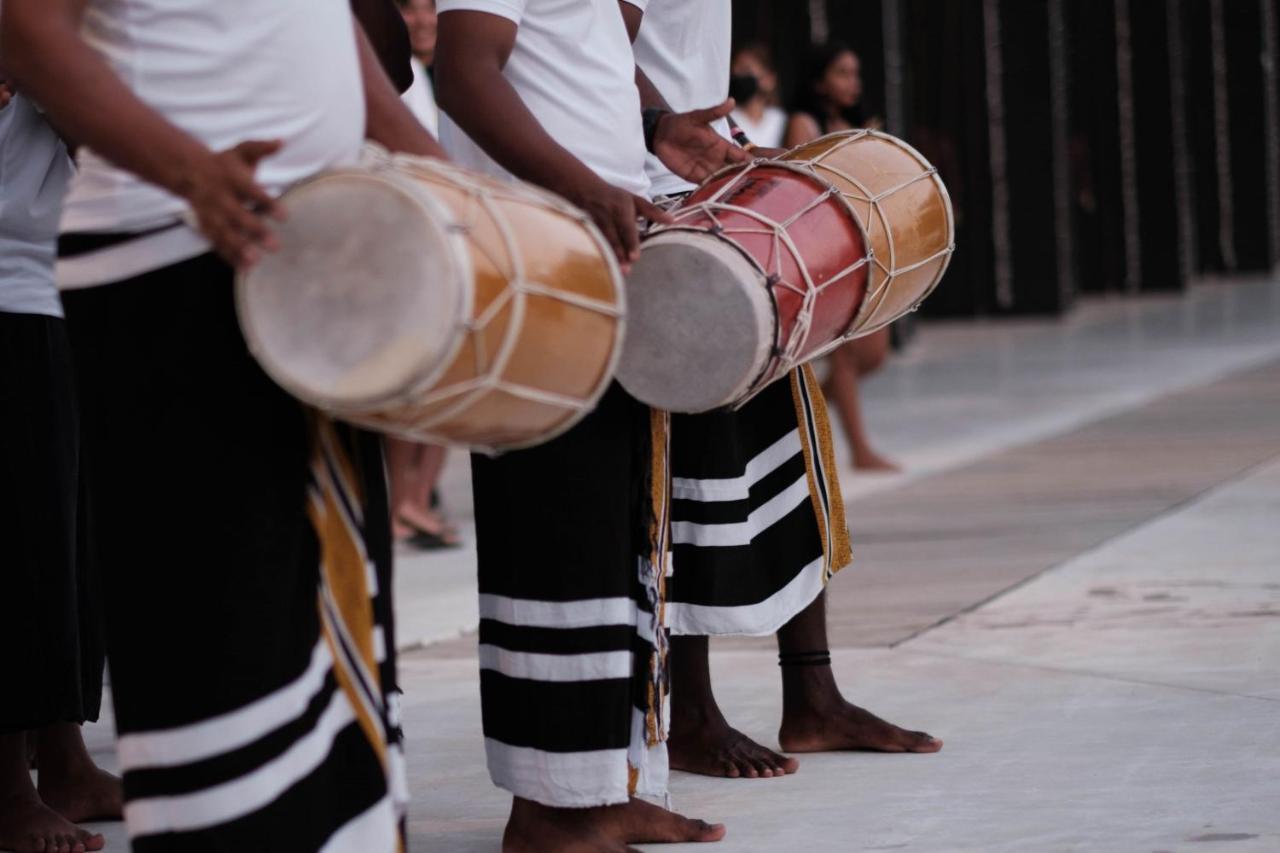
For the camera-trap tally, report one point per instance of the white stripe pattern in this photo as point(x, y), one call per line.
point(230, 731)
point(752, 620)
point(742, 532)
point(245, 794)
point(739, 488)
point(559, 779)
point(584, 613)
point(590, 666)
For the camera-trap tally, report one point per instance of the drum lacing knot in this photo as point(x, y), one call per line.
point(772, 279)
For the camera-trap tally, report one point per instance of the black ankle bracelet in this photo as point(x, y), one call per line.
point(822, 658)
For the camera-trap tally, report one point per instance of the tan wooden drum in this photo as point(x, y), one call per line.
point(423, 300)
point(904, 209)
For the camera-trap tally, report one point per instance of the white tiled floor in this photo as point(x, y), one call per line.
point(1121, 702)
point(961, 390)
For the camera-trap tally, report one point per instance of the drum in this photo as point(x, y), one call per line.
point(903, 207)
point(426, 301)
point(775, 263)
point(764, 266)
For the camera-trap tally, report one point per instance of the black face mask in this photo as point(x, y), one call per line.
point(743, 87)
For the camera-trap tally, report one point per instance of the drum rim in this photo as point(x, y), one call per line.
point(747, 388)
point(376, 167)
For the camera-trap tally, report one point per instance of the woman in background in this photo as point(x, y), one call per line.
point(830, 100)
point(754, 86)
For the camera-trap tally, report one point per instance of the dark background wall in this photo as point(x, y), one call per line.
point(1090, 146)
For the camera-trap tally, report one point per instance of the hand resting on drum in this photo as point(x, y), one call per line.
point(230, 207)
point(615, 213)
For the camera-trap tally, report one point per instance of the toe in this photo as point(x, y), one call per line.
point(705, 832)
point(922, 742)
point(94, 841)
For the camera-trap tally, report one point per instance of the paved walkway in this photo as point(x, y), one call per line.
point(1077, 588)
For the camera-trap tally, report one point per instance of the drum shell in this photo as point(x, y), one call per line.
point(828, 246)
point(559, 347)
point(537, 340)
point(904, 209)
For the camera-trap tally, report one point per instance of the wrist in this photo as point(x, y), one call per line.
point(652, 119)
point(187, 169)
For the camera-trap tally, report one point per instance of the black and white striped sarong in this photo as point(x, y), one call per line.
point(571, 542)
point(244, 546)
point(758, 524)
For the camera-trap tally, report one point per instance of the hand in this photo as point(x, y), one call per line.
point(230, 206)
point(615, 212)
point(688, 145)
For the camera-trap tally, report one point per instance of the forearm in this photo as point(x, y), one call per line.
point(485, 105)
point(387, 120)
point(83, 97)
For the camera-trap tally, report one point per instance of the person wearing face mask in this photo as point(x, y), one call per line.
point(754, 86)
point(830, 100)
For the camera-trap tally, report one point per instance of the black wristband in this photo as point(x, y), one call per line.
point(651, 117)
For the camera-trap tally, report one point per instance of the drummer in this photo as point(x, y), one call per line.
point(243, 722)
point(571, 535)
point(732, 572)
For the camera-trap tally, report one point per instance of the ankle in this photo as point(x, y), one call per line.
point(690, 718)
point(809, 690)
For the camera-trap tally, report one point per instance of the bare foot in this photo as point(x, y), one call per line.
point(870, 461)
point(715, 748)
point(534, 828)
point(412, 522)
point(842, 725)
point(29, 826)
point(85, 795)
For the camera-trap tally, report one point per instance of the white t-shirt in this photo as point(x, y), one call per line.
point(421, 98)
point(34, 170)
point(684, 49)
point(572, 66)
point(225, 71)
point(770, 130)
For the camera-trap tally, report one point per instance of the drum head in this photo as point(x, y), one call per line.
point(700, 323)
point(366, 298)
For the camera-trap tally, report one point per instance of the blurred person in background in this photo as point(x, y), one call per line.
point(51, 645)
point(830, 100)
point(754, 86)
point(415, 468)
point(420, 18)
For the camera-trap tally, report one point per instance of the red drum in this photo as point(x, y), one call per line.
point(765, 268)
